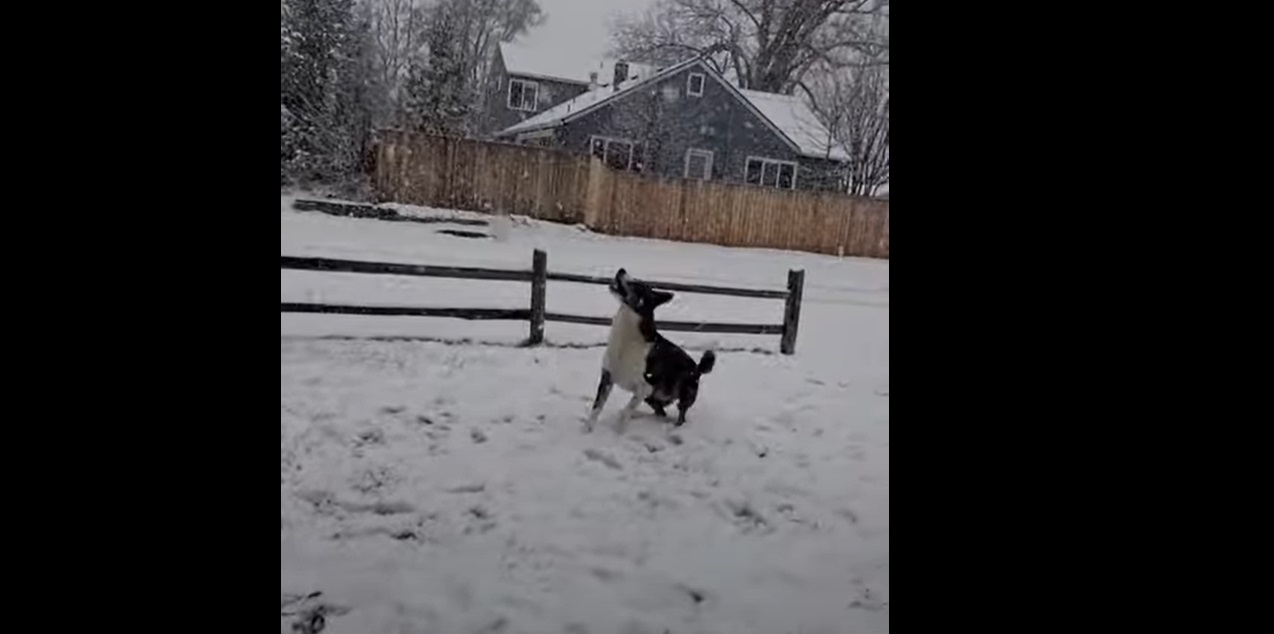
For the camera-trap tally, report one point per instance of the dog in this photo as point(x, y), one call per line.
point(641, 361)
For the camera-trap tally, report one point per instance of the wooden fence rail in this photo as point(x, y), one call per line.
point(537, 314)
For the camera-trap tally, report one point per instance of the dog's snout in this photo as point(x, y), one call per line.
point(620, 283)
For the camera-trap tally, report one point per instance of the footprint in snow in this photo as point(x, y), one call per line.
point(597, 456)
point(308, 614)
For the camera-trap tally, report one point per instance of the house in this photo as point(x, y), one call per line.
point(687, 121)
point(525, 82)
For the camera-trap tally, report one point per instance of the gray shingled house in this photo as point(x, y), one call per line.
point(685, 121)
point(525, 82)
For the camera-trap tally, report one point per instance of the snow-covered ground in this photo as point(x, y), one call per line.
point(443, 483)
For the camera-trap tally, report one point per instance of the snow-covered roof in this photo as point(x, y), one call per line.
point(793, 116)
point(790, 115)
point(563, 64)
point(585, 101)
point(562, 110)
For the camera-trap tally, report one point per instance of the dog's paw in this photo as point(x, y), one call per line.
point(589, 417)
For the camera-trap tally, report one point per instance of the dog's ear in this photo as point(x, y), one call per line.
point(659, 298)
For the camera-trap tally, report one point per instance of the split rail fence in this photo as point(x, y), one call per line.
point(537, 314)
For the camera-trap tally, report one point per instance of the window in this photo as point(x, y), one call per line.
point(694, 85)
point(698, 164)
point(620, 154)
point(787, 176)
point(523, 94)
point(770, 173)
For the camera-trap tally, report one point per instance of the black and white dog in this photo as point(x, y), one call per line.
point(642, 361)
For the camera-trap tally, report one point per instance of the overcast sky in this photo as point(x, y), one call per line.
point(578, 28)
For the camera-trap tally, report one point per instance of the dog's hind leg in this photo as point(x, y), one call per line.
point(689, 393)
point(603, 393)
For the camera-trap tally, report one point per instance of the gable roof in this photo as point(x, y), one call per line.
point(587, 102)
point(786, 115)
point(797, 120)
point(563, 66)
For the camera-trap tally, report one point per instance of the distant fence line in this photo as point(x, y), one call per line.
point(538, 275)
point(559, 186)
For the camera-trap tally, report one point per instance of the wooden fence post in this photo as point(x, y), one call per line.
point(792, 310)
point(539, 280)
point(593, 191)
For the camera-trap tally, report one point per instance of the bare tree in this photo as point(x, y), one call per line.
point(854, 107)
point(766, 45)
point(400, 28)
point(486, 23)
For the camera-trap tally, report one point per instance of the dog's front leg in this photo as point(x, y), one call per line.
point(603, 393)
point(627, 413)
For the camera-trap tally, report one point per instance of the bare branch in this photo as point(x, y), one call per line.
point(769, 43)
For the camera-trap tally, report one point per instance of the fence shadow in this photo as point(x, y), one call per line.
point(469, 341)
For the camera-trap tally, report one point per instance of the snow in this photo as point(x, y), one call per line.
point(429, 484)
point(563, 64)
point(561, 110)
point(585, 100)
point(793, 116)
point(789, 113)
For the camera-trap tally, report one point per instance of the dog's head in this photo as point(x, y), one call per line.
point(636, 294)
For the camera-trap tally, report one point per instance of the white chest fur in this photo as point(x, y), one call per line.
point(626, 351)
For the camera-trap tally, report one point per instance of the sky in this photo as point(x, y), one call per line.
point(579, 28)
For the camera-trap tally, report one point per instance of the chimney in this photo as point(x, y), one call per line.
point(592, 80)
point(621, 73)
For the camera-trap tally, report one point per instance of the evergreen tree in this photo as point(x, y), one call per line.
point(325, 114)
point(439, 95)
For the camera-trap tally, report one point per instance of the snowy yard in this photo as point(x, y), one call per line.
point(446, 486)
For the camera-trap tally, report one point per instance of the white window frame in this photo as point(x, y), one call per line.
point(690, 82)
point(525, 83)
point(708, 154)
point(796, 170)
point(606, 141)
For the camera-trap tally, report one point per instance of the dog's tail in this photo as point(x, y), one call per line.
point(708, 362)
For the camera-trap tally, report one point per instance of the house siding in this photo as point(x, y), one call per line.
point(669, 122)
point(496, 112)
